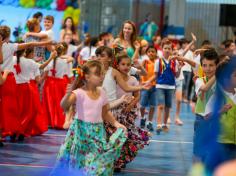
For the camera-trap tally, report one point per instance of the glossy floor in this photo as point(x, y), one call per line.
point(168, 154)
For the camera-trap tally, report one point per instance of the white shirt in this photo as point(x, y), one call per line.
point(231, 95)
point(210, 103)
point(156, 70)
point(133, 71)
point(49, 33)
point(86, 53)
point(71, 49)
point(8, 50)
point(35, 71)
point(109, 84)
point(28, 70)
point(62, 68)
point(189, 56)
point(143, 58)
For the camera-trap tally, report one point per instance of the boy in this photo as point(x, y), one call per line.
point(166, 69)
point(204, 88)
point(226, 79)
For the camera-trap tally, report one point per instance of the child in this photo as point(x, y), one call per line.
point(126, 113)
point(226, 97)
point(58, 73)
point(85, 148)
point(35, 35)
point(166, 70)
point(204, 88)
point(10, 114)
point(2, 80)
point(148, 97)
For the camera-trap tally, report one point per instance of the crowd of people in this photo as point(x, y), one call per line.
point(99, 87)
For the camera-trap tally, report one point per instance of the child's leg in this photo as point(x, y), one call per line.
point(160, 109)
point(178, 95)
point(143, 103)
point(168, 102)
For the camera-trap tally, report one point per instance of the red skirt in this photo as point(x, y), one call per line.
point(25, 107)
point(39, 123)
point(9, 116)
point(53, 92)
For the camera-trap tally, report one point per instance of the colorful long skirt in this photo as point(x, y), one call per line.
point(86, 151)
point(137, 137)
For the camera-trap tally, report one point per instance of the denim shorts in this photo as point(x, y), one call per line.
point(148, 97)
point(164, 97)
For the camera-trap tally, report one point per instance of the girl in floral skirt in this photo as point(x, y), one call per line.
point(85, 150)
point(126, 113)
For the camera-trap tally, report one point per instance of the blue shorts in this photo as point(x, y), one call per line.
point(164, 97)
point(179, 85)
point(148, 97)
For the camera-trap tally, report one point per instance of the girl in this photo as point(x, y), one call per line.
point(88, 52)
point(69, 28)
point(2, 80)
point(8, 94)
point(126, 113)
point(25, 71)
point(85, 148)
point(57, 75)
point(39, 124)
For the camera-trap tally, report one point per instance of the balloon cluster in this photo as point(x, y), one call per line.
point(27, 3)
point(73, 13)
point(45, 4)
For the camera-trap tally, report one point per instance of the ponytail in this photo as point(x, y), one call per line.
point(17, 67)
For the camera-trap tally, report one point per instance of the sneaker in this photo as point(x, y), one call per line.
point(150, 127)
point(165, 129)
point(142, 123)
point(117, 170)
point(159, 129)
point(21, 137)
point(13, 138)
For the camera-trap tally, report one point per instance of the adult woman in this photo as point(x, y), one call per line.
point(69, 27)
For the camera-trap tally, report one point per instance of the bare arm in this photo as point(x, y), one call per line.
point(208, 85)
point(38, 35)
point(123, 84)
point(62, 33)
point(108, 117)
point(194, 39)
point(3, 77)
point(22, 46)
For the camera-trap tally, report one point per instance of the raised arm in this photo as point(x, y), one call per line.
point(194, 39)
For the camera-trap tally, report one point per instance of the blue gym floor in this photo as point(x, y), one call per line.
point(168, 154)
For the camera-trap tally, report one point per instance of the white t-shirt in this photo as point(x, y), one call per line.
point(8, 50)
point(187, 67)
point(209, 105)
point(143, 58)
point(28, 70)
point(156, 70)
point(86, 53)
point(49, 33)
point(71, 49)
point(133, 71)
point(62, 68)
